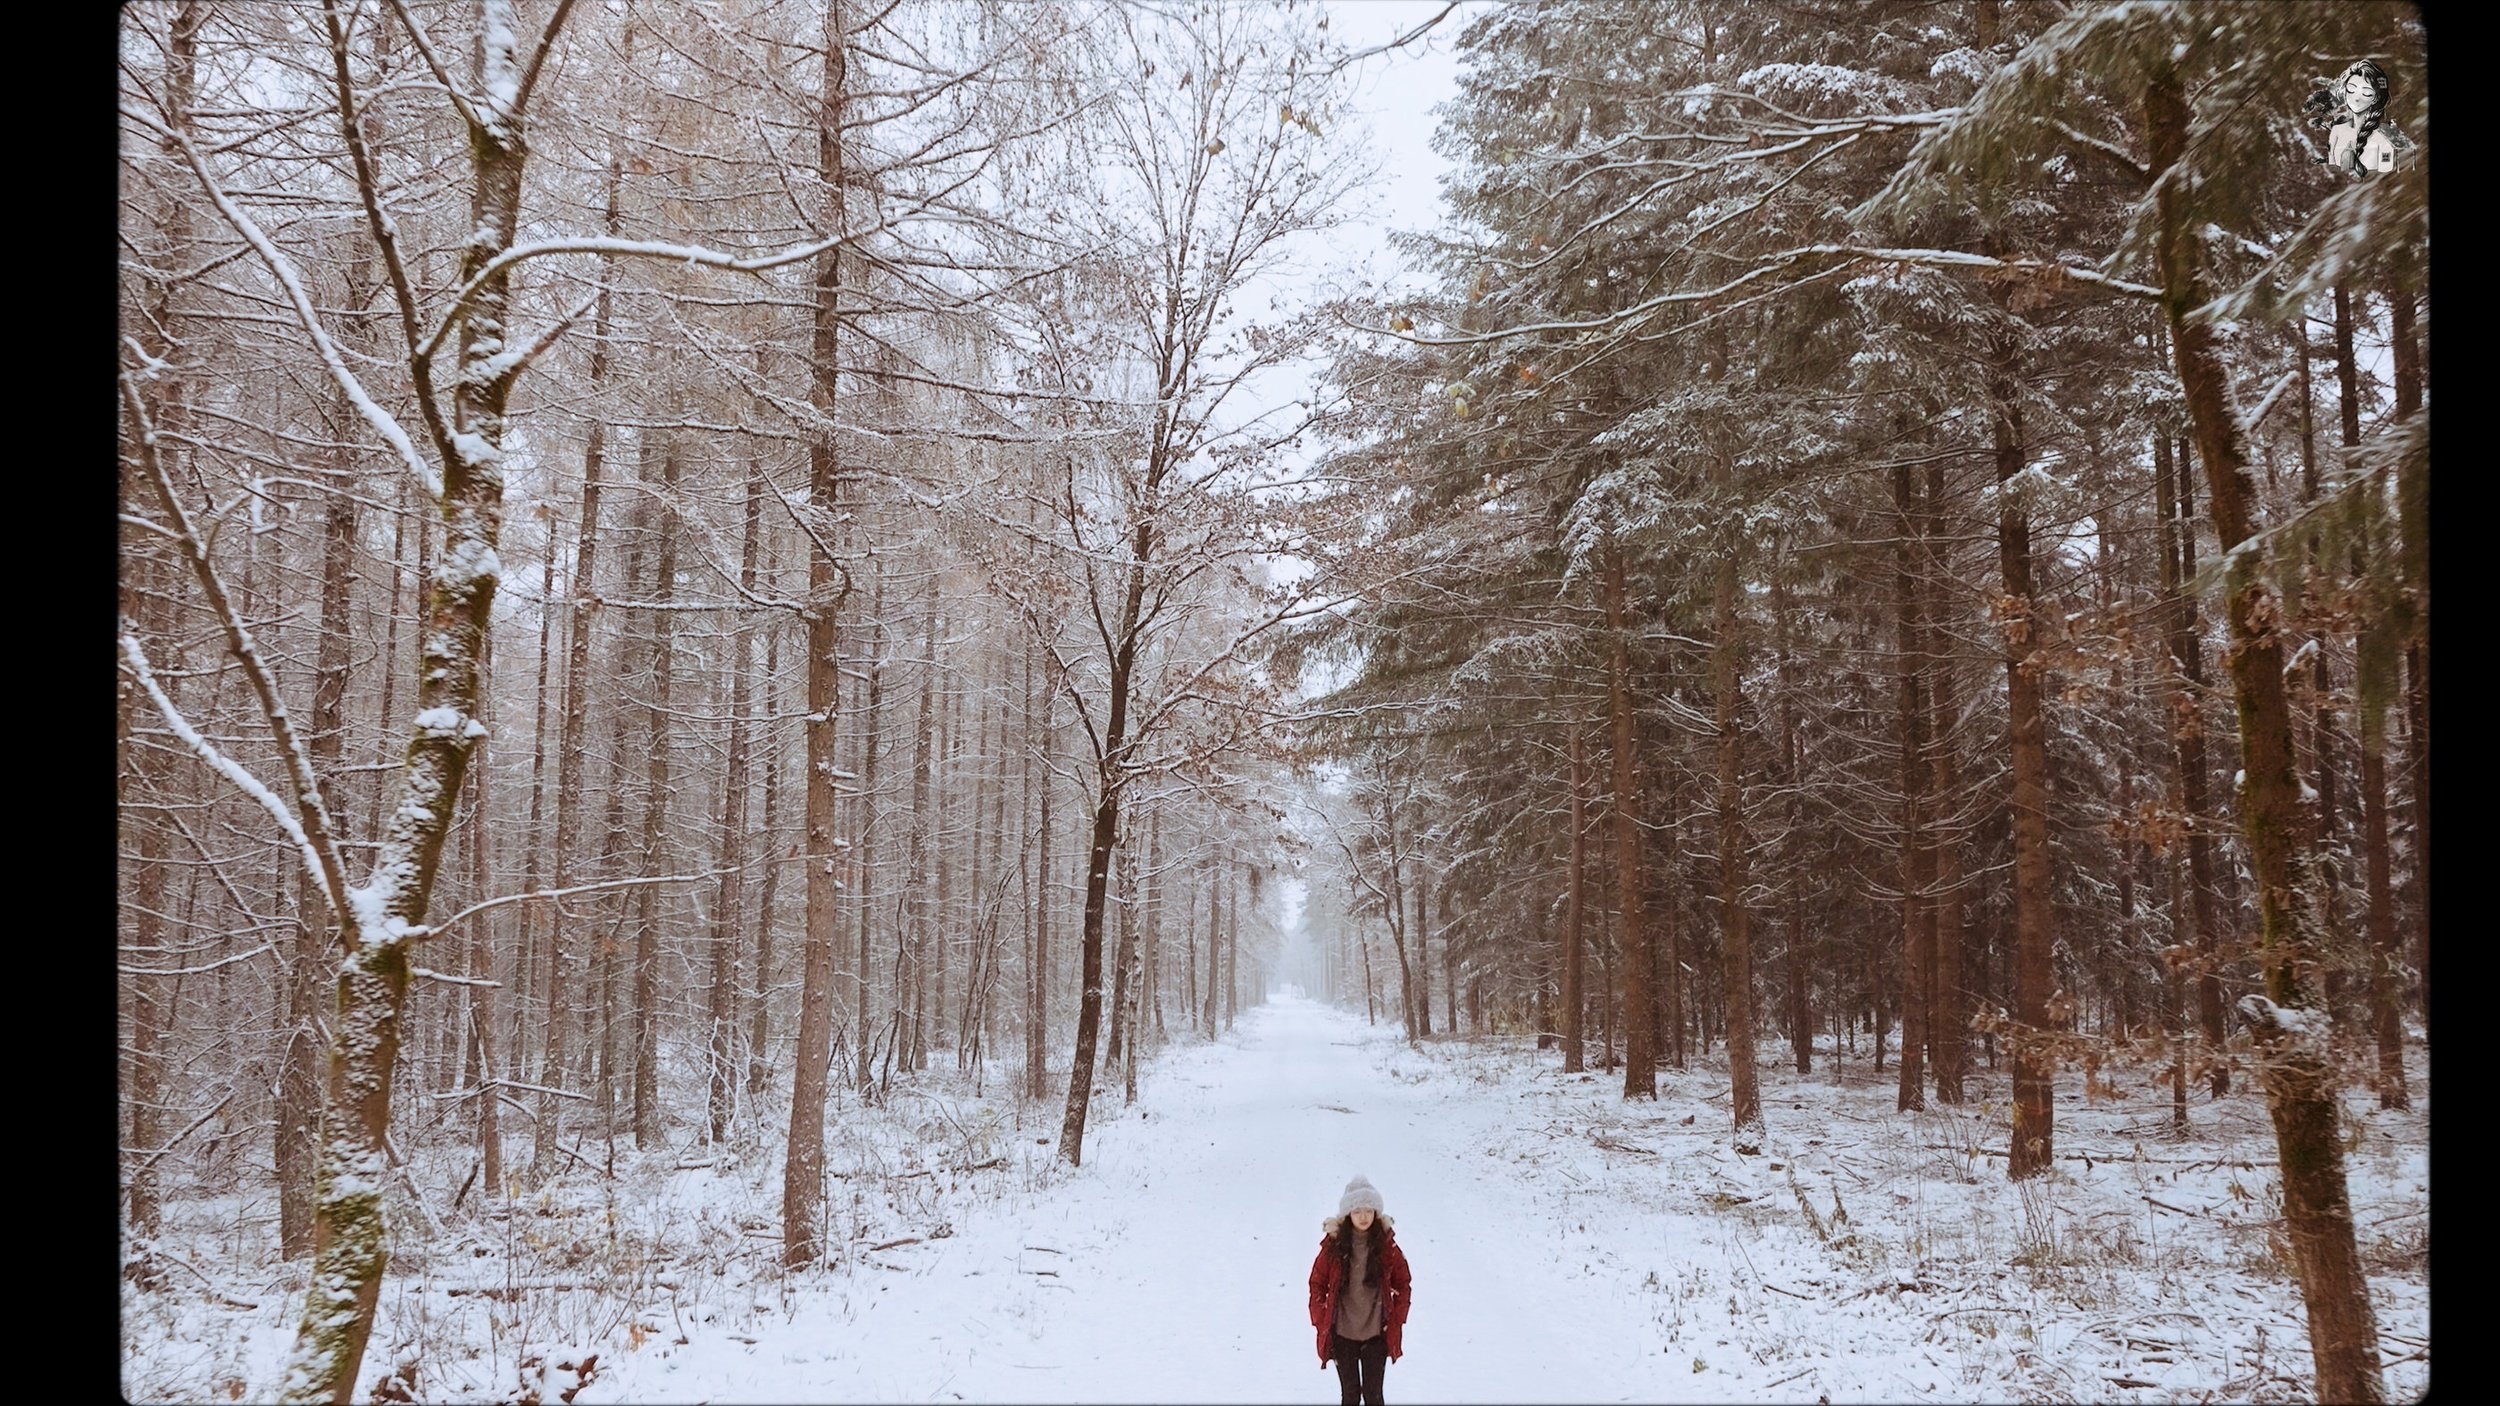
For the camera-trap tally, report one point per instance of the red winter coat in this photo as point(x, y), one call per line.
point(1397, 1289)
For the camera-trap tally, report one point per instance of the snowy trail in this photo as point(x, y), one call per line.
point(1181, 1252)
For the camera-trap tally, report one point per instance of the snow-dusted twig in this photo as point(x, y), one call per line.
point(128, 970)
point(461, 98)
point(1957, 259)
point(283, 269)
point(313, 834)
point(448, 979)
point(438, 929)
point(196, 1125)
point(692, 255)
point(218, 761)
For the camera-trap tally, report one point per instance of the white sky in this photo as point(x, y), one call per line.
point(1395, 95)
point(1389, 125)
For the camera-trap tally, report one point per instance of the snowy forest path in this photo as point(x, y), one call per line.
point(1173, 1266)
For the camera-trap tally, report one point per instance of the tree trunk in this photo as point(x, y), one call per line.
point(1111, 777)
point(526, 983)
point(1037, 958)
point(1948, 1027)
point(1232, 951)
point(720, 1014)
point(1918, 933)
point(2387, 954)
point(863, 863)
point(2413, 539)
point(298, 1132)
point(1089, 990)
point(2300, 1082)
point(350, 1243)
point(572, 796)
point(1142, 984)
point(1423, 949)
point(1666, 943)
point(1639, 1052)
point(1574, 954)
point(759, 1063)
point(916, 877)
point(1735, 909)
point(480, 999)
point(1393, 913)
point(1800, 1016)
point(647, 1130)
point(803, 1168)
point(2033, 1147)
point(1124, 958)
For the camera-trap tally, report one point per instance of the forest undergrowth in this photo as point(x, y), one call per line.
point(522, 1300)
point(2146, 1266)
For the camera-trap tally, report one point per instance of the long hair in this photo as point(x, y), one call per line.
point(1376, 1242)
point(2366, 122)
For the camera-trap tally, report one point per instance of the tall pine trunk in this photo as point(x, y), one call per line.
point(803, 1167)
point(1735, 908)
point(1918, 933)
point(2293, 1058)
point(1574, 1000)
point(1948, 1025)
point(2034, 1146)
point(1640, 1078)
point(647, 1131)
point(720, 1007)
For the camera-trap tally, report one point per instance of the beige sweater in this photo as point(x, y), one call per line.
point(1358, 1303)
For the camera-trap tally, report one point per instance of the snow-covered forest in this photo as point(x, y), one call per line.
point(835, 700)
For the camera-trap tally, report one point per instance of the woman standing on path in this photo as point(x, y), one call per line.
point(1360, 1290)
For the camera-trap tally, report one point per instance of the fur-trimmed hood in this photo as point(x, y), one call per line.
point(1330, 1226)
point(1328, 1270)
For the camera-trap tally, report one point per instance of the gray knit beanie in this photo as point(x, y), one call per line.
point(1359, 1194)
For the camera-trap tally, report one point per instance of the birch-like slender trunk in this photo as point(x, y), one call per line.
point(572, 794)
point(721, 1003)
point(863, 861)
point(759, 1030)
point(1037, 902)
point(648, 1133)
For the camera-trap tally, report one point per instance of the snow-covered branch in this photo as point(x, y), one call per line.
point(313, 836)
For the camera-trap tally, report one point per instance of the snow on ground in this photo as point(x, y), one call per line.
point(1566, 1247)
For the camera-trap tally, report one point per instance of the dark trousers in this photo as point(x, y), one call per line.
point(1359, 1366)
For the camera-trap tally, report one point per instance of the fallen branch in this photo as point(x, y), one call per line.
point(195, 1127)
point(2164, 1205)
point(517, 1287)
point(2090, 1158)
